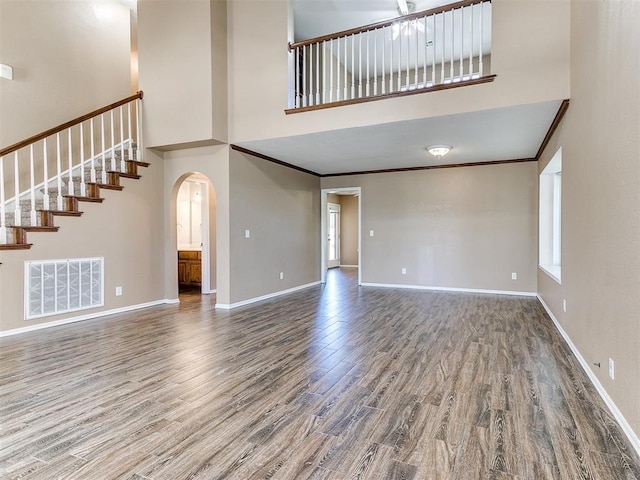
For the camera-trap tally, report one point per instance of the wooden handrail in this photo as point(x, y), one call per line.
point(386, 23)
point(69, 124)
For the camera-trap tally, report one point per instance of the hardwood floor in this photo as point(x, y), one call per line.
point(331, 382)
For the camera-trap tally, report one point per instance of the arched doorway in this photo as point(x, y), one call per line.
point(195, 230)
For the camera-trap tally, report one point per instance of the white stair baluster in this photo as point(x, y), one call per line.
point(330, 70)
point(17, 220)
point(83, 187)
point(3, 212)
point(70, 186)
point(360, 66)
point(338, 76)
point(123, 167)
point(103, 175)
point(45, 196)
point(139, 144)
point(296, 69)
point(130, 131)
point(93, 153)
point(113, 143)
point(32, 186)
point(310, 74)
point(59, 173)
point(324, 72)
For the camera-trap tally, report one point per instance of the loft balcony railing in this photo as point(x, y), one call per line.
point(40, 172)
point(424, 51)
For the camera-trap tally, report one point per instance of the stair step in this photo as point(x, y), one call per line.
point(15, 246)
point(141, 164)
point(128, 175)
point(85, 199)
point(108, 186)
point(38, 229)
point(63, 213)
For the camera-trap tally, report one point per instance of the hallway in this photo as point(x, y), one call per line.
point(335, 381)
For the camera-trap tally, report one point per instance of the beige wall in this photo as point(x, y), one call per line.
point(600, 140)
point(467, 227)
point(281, 208)
point(348, 230)
point(531, 67)
point(182, 70)
point(126, 229)
point(213, 163)
point(68, 58)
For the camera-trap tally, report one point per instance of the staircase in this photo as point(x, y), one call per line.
point(93, 162)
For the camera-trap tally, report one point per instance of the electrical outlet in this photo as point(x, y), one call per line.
point(247, 234)
point(371, 233)
point(404, 271)
point(514, 276)
point(564, 305)
point(612, 369)
point(281, 275)
point(118, 291)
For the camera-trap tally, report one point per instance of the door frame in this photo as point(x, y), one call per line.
point(323, 229)
point(338, 226)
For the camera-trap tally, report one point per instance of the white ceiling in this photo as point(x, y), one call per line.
point(490, 135)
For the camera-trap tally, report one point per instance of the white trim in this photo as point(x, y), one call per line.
point(210, 292)
point(451, 289)
point(348, 266)
point(552, 271)
point(89, 316)
point(626, 428)
point(229, 306)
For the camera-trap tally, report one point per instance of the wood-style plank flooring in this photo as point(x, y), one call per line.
point(331, 382)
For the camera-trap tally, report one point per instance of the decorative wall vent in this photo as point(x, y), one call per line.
point(58, 286)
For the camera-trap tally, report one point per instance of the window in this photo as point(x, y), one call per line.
point(550, 211)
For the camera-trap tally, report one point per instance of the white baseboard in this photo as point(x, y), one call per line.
point(626, 428)
point(229, 306)
point(450, 289)
point(88, 316)
point(348, 266)
point(210, 292)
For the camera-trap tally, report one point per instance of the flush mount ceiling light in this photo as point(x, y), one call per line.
point(439, 150)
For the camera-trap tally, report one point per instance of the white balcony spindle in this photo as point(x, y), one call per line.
point(368, 87)
point(375, 63)
point(304, 76)
point(310, 68)
point(359, 66)
point(130, 131)
point(324, 72)
point(317, 73)
point(32, 186)
point(408, 72)
point(17, 215)
point(471, 42)
point(353, 66)
point(452, 45)
point(433, 51)
point(58, 173)
point(103, 162)
point(346, 70)
point(296, 72)
point(443, 50)
point(45, 175)
point(123, 167)
point(461, 67)
point(3, 211)
point(83, 187)
point(338, 76)
point(481, 26)
point(391, 60)
point(330, 70)
point(384, 67)
point(92, 150)
point(400, 60)
point(70, 186)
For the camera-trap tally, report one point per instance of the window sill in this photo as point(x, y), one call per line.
point(554, 271)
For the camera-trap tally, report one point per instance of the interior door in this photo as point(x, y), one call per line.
point(333, 235)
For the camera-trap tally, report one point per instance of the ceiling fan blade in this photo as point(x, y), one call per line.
point(403, 7)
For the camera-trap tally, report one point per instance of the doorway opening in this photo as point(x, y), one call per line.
point(196, 235)
point(340, 230)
